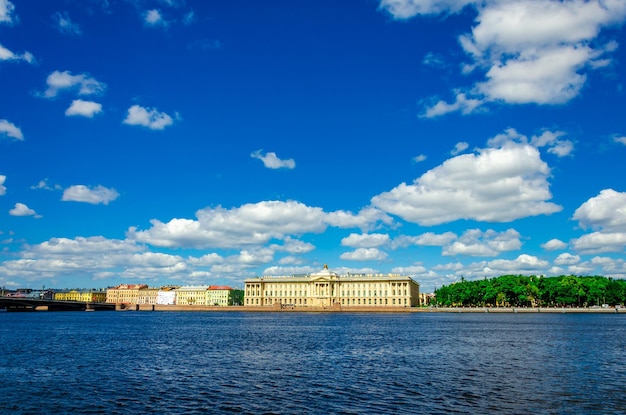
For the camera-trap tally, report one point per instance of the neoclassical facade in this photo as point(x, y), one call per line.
point(326, 288)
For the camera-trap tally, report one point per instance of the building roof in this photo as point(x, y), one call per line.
point(220, 287)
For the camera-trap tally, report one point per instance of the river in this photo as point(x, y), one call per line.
point(312, 363)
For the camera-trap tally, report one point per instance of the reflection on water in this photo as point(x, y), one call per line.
point(185, 363)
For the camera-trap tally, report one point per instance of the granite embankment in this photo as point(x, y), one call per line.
point(161, 307)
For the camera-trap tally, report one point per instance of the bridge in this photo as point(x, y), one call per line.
point(35, 304)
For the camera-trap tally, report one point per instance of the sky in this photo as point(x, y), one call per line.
point(202, 142)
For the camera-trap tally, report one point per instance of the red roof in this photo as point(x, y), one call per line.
point(219, 287)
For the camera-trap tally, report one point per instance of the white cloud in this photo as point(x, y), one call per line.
point(94, 196)
point(529, 51)
point(154, 18)
point(282, 271)
point(7, 55)
point(556, 146)
point(567, 259)
point(475, 242)
point(364, 254)
point(405, 9)
point(425, 239)
point(365, 240)
point(462, 103)
point(83, 108)
point(598, 242)
point(21, 209)
point(6, 12)
point(10, 130)
point(553, 245)
point(366, 219)
point(271, 160)
point(459, 148)
point(3, 189)
point(64, 24)
point(43, 184)
point(620, 139)
point(536, 49)
point(419, 159)
point(147, 117)
point(524, 264)
point(496, 185)
point(606, 214)
point(607, 211)
point(251, 224)
point(294, 246)
point(123, 261)
point(62, 81)
point(414, 269)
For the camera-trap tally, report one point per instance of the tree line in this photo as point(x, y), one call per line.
point(533, 291)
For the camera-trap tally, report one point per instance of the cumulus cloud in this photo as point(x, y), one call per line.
point(83, 108)
point(147, 117)
point(154, 18)
point(619, 139)
point(6, 12)
point(606, 215)
point(475, 242)
point(9, 129)
point(93, 195)
point(419, 159)
point(553, 141)
point(65, 25)
point(83, 84)
point(554, 244)
point(425, 239)
point(271, 160)
point(496, 185)
point(372, 240)
point(462, 103)
point(607, 211)
point(567, 259)
point(598, 242)
point(253, 223)
point(459, 148)
point(21, 209)
point(250, 224)
point(364, 254)
point(529, 51)
point(3, 189)
point(366, 219)
point(405, 9)
point(7, 55)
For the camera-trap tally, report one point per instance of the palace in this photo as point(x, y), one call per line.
point(326, 288)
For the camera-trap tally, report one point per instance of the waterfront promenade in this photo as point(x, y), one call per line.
point(159, 307)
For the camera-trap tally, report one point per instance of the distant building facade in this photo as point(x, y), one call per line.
point(124, 293)
point(203, 295)
point(222, 295)
point(85, 296)
point(326, 288)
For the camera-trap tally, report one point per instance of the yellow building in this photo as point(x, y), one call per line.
point(85, 296)
point(191, 295)
point(221, 295)
point(124, 293)
point(147, 295)
point(326, 288)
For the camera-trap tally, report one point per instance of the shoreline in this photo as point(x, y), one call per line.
point(271, 309)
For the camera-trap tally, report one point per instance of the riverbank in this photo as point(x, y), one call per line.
point(339, 309)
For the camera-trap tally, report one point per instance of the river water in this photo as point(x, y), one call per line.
point(311, 363)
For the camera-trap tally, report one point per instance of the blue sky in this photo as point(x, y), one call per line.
point(200, 142)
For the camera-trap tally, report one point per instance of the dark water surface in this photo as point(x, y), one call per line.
point(301, 363)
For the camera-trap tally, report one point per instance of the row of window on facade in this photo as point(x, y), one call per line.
point(344, 301)
point(347, 289)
